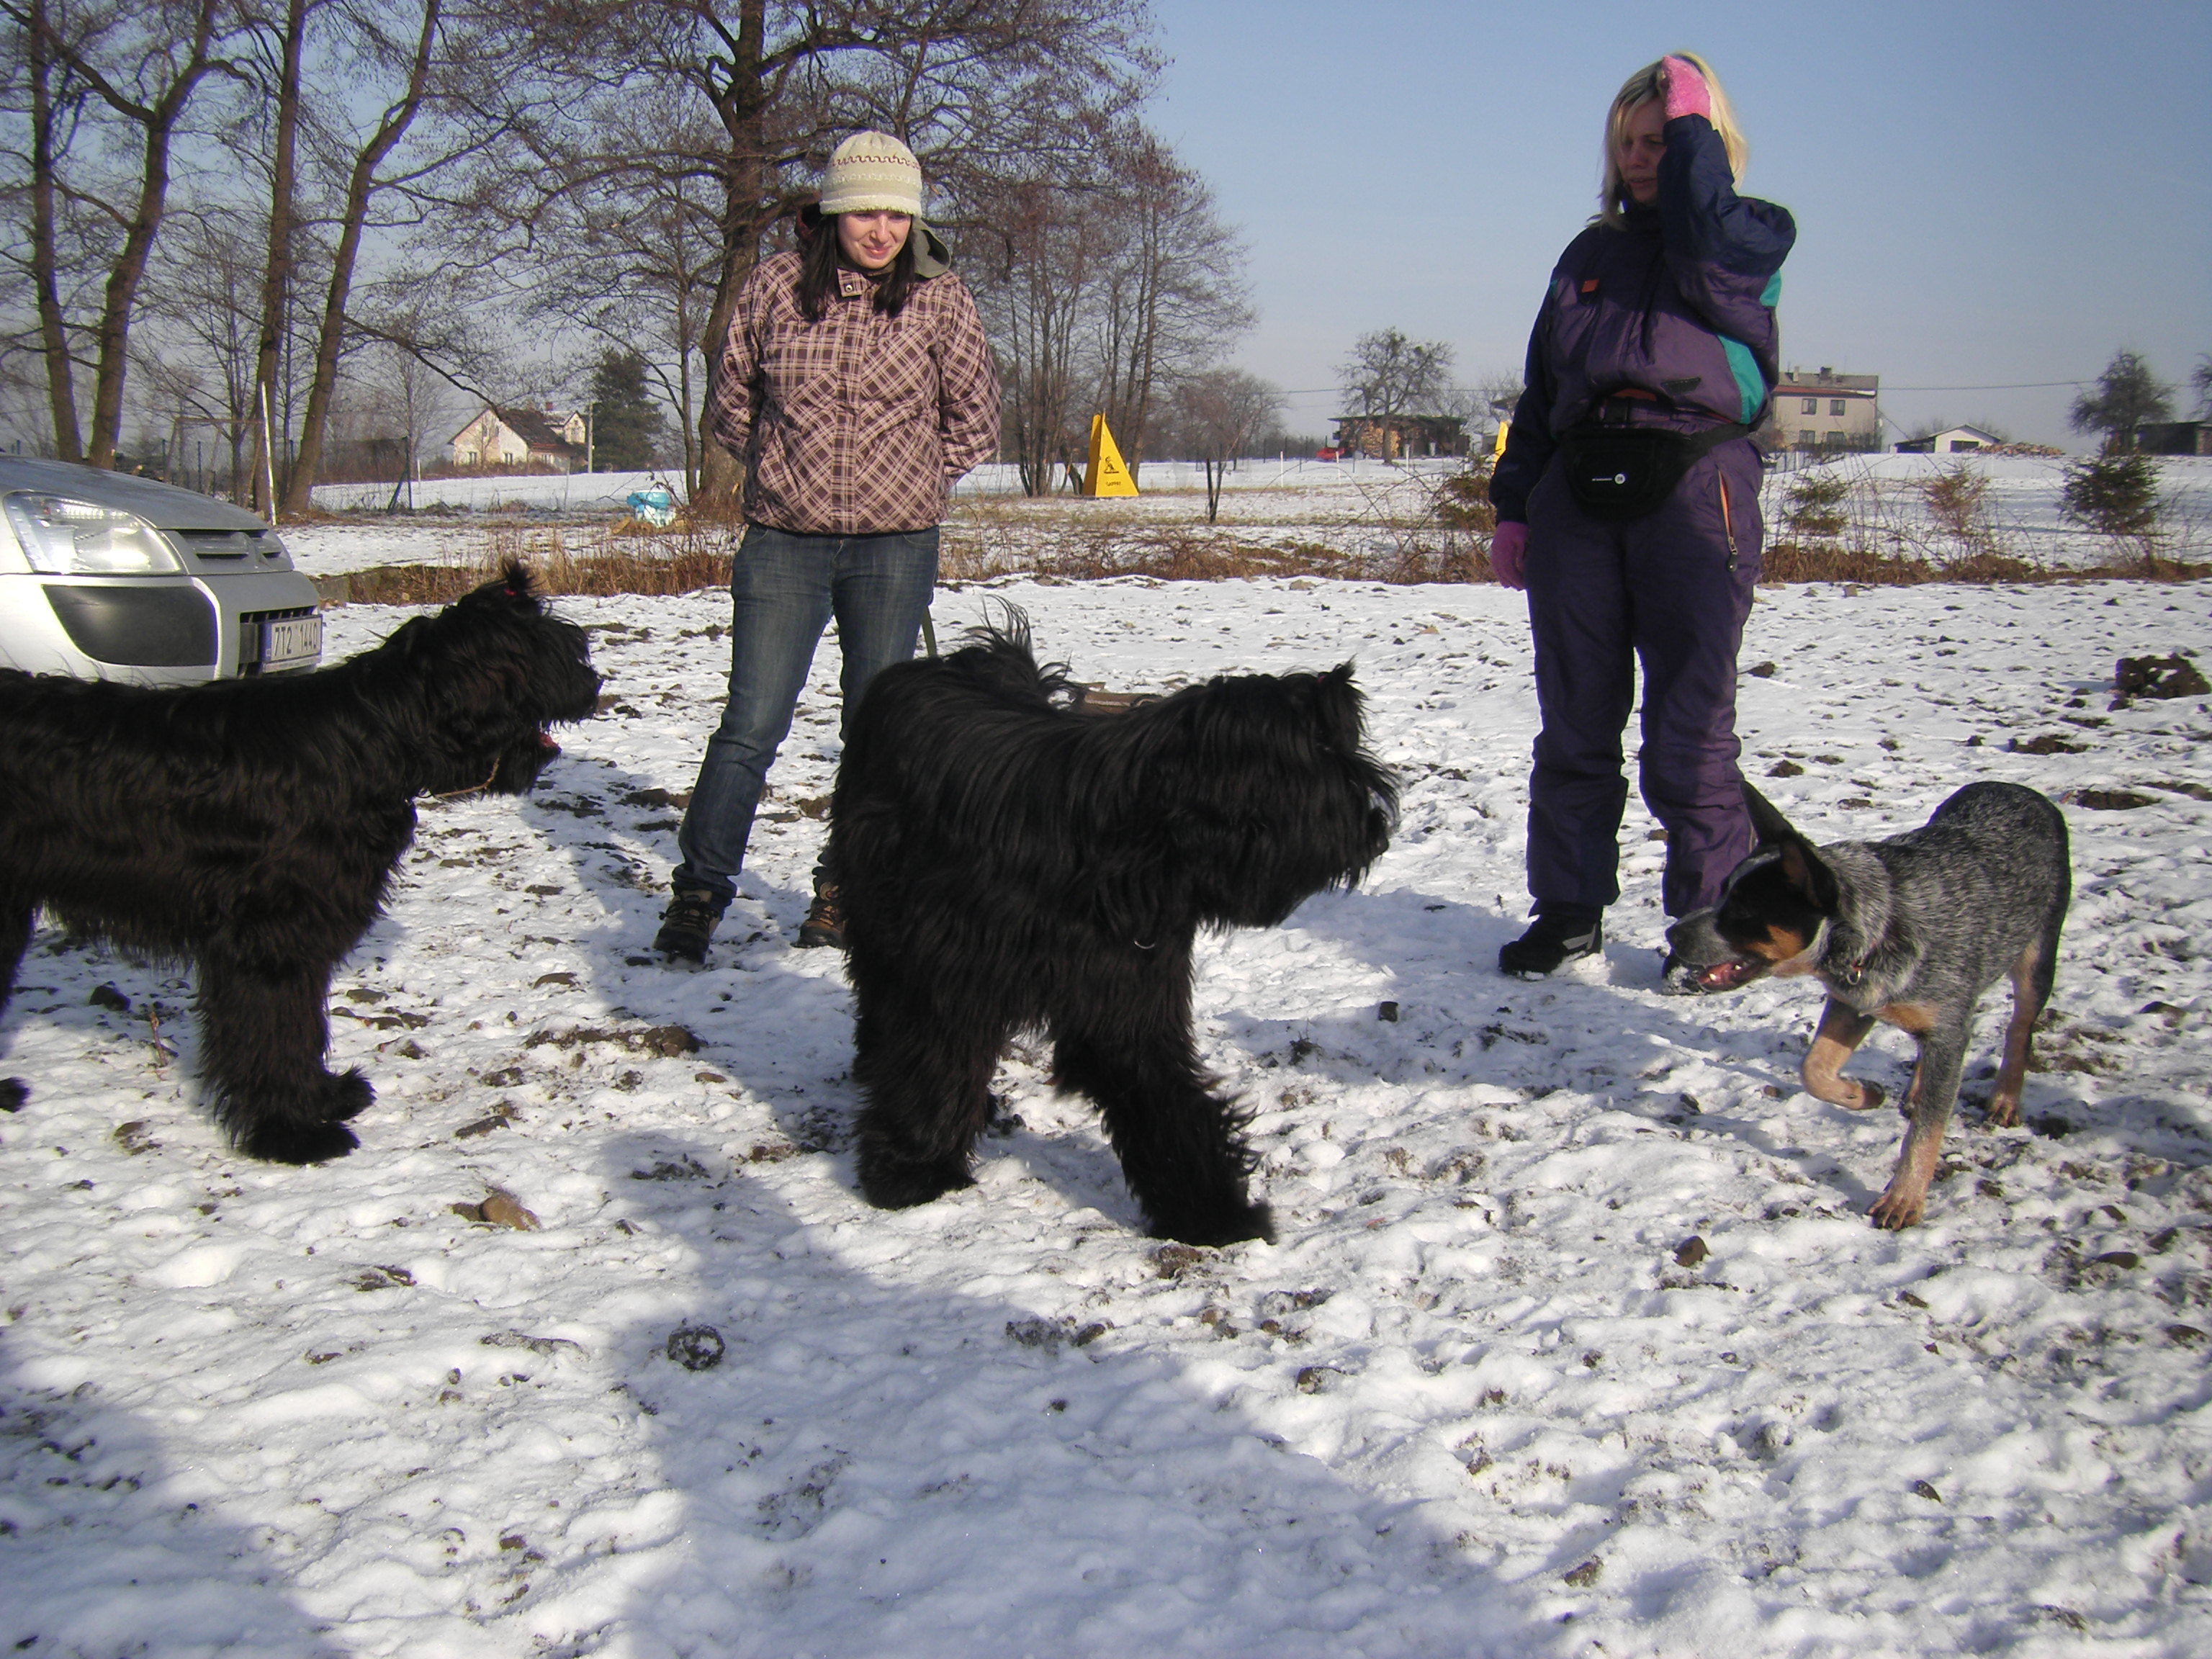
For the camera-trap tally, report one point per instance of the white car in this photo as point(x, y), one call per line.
point(107, 576)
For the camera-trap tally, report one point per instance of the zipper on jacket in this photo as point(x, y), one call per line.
point(1728, 522)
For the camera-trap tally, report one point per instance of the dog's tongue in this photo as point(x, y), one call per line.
point(545, 742)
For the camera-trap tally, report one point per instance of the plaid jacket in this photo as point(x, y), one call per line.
point(857, 424)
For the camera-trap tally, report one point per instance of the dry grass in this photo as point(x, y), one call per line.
point(1794, 562)
point(625, 558)
point(1441, 535)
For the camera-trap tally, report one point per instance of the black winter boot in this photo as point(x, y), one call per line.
point(1561, 934)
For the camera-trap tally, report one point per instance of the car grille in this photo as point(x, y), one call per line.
point(227, 547)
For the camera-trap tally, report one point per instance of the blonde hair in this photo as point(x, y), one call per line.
point(1641, 88)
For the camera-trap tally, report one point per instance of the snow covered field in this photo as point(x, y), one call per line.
point(1484, 1397)
point(1362, 508)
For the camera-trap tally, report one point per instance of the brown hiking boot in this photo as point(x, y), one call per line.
point(687, 926)
point(826, 920)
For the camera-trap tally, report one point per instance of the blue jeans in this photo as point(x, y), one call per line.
point(784, 588)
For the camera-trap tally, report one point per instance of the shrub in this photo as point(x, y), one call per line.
point(1813, 505)
point(2115, 493)
point(1956, 497)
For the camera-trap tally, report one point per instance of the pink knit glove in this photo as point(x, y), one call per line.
point(1685, 89)
point(1509, 553)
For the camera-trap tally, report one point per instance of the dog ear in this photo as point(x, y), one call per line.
point(514, 577)
point(1766, 820)
point(1339, 702)
point(1809, 874)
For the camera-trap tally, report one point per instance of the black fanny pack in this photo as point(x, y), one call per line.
point(1622, 472)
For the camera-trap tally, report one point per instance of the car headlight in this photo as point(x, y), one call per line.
point(64, 537)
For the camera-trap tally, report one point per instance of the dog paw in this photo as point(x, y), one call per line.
point(294, 1142)
point(896, 1185)
point(1870, 1096)
point(13, 1091)
point(2004, 1111)
point(1897, 1210)
point(1233, 1227)
point(346, 1096)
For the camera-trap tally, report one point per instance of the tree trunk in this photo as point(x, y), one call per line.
point(276, 273)
point(743, 107)
point(299, 492)
point(684, 423)
point(53, 337)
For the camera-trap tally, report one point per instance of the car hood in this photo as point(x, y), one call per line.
point(164, 507)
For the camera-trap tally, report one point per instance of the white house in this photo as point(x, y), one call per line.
point(521, 436)
point(1952, 441)
point(1824, 411)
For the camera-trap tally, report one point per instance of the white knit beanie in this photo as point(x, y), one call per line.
point(872, 172)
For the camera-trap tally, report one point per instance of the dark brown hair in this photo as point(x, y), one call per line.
point(819, 257)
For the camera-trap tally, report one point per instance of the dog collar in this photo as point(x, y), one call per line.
point(451, 794)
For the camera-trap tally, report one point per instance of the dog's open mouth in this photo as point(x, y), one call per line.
point(545, 742)
point(1725, 975)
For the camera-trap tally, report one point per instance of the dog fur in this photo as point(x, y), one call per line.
point(1008, 863)
point(1910, 931)
point(251, 827)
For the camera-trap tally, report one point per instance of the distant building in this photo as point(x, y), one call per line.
point(1395, 437)
point(2175, 438)
point(507, 437)
point(1952, 441)
point(1825, 411)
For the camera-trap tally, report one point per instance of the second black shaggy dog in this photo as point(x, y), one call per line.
point(251, 827)
point(1008, 863)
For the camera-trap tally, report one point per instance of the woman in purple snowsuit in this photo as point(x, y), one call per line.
point(1627, 504)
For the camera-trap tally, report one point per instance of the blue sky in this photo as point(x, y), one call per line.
point(1986, 194)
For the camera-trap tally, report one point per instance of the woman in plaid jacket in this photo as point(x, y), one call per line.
point(856, 387)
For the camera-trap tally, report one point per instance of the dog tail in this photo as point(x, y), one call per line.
point(1000, 653)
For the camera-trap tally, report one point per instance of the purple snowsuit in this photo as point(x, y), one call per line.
point(1668, 322)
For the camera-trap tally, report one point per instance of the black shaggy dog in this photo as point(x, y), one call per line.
point(1007, 862)
point(251, 827)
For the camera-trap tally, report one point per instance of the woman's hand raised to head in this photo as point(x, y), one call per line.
point(1685, 89)
point(1509, 553)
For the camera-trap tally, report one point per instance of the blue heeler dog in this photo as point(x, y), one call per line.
point(1910, 931)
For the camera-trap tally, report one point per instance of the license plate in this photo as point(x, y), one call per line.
point(291, 641)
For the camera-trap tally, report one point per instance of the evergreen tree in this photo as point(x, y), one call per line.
point(628, 426)
point(2115, 493)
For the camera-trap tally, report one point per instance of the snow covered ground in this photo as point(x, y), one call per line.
point(1484, 1397)
point(1362, 508)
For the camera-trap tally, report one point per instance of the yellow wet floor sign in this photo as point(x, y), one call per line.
point(1107, 474)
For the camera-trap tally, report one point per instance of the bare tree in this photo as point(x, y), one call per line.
point(138, 66)
point(404, 397)
point(983, 90)
point(1171, 297)
point(200, 312)
point(1390, 374)
point(49, 102)
point(629, 253)
point(458, 84)
point(1031, 286)
point(1220, 414)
